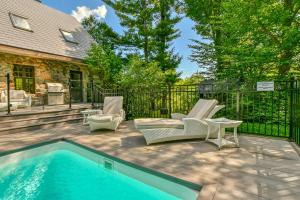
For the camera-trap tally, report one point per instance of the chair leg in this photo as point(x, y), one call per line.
point(219, 138)
point(208, 133)
point(236, 137)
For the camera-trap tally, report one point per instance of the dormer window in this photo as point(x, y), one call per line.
point(20, 22)
point(68, 36)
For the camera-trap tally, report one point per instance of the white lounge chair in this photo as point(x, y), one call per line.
point(111, 115)
point(201, 110)
point(191, 126)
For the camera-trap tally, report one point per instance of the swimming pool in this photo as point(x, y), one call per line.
point(66, 170)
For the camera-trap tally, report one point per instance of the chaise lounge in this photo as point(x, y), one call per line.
point(180, 127)
point(111, 115)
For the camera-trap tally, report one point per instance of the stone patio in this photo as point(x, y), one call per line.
point(263, 168)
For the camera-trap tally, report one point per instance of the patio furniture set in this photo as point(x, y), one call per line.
point(198, 124)
point(18, 99)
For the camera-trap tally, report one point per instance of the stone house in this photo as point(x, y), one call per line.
point(39, 44)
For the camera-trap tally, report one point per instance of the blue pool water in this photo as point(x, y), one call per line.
point(62, 174)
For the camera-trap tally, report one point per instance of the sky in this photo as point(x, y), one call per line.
point(82, 8)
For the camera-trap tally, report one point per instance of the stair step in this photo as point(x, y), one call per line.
point(41, 114)
point(37, 126)
point(37, 120)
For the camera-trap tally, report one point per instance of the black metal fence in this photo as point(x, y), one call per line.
point(272, 113)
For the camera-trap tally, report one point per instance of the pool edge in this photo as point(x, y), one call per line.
point(168, 177)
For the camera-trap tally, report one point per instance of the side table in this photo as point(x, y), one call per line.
point(222, 123)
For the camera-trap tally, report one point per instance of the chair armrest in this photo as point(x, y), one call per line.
point(29, 100)
point(215, 110)
point(123, 114)
point(195, 126)
point(3, 97)
point(177, 116)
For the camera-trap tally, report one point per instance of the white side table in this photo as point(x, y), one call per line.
point(87, 113)
point(222, 123)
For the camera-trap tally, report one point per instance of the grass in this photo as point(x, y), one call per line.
point(266, 129)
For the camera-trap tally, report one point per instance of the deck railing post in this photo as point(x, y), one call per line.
point(70, 94)
point(8, 92)
point(92, 93)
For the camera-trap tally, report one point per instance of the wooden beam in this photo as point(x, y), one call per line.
point(37, 54)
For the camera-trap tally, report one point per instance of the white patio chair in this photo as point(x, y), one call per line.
point(111, 115)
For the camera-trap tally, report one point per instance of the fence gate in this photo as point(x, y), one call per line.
point(295, 113)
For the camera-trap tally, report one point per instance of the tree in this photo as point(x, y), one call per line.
point(165, 33)
point(101, 32)
point(137, 18)
point(139, 73)
point(266, 38)
point(103, 59)
point(206, 53)
point(104, 64)
point(194, 79)
point(249, 40)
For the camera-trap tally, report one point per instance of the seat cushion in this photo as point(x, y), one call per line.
point(113, 105)
point(202, 108)
point(100, 118)
point(151, 123)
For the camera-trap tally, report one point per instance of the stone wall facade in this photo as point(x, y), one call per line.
point(44, 71)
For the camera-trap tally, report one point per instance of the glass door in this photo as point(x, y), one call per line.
point(76, 86)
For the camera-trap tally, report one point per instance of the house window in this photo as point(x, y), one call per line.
point(24, 78)
point(68, 36)
point(20, 22)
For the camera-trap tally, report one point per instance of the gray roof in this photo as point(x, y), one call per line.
point(45, 23)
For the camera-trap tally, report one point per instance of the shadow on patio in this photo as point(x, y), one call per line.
point(263, 168)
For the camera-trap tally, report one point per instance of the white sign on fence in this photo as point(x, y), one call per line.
point(265, 86)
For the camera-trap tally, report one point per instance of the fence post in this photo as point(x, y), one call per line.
point(170, 98)
point(70, 94)
point(8, 92)
point(238, 99)
point(92, 93)
point(292, 117)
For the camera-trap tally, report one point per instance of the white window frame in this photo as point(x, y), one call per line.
point(65, 37)
point(14, 23)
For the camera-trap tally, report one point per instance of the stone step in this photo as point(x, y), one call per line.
point(39, 114)
point(41, 125)
point(37, 120)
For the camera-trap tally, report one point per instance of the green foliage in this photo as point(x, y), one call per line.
point(247, 40)
point(136, 17)
point(102, 59)
point(104, 64)
point(165, 33)
point(139, 73)
point(101, 32)
point(195, 79)
point(149, 29)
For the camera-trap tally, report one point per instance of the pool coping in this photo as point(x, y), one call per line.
point(171, 178)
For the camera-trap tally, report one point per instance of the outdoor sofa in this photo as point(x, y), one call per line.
point(18, 98)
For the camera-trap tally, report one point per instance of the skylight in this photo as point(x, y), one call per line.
point(20, 22)
point(69, 37)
